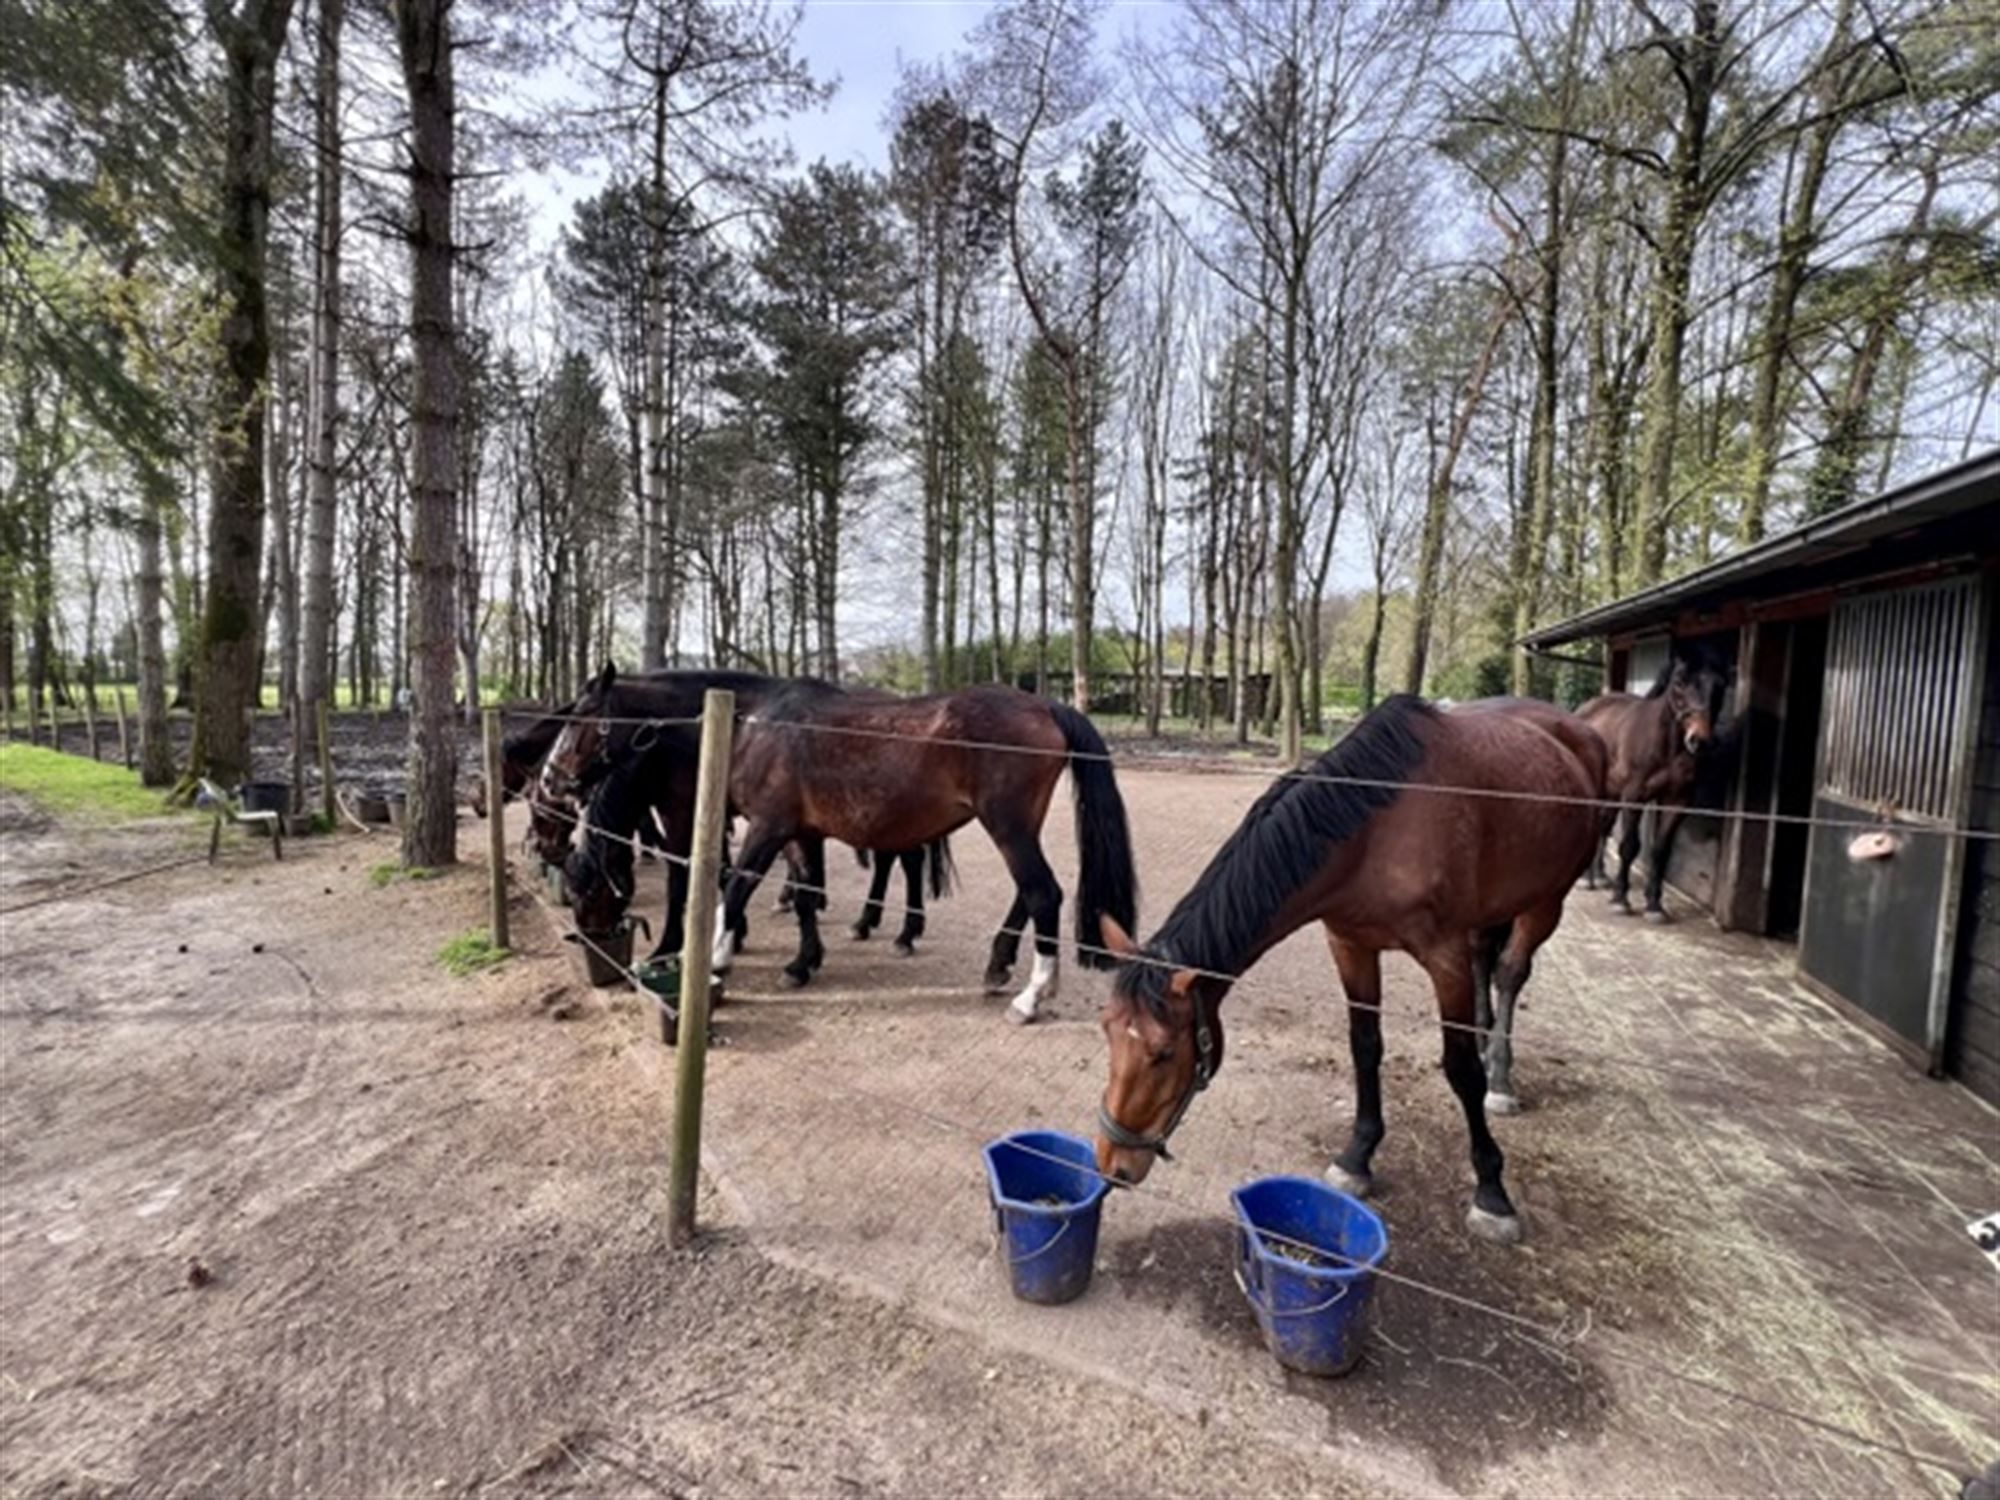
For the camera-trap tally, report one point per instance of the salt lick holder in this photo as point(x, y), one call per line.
point(1314, 1316)
point(1049, 1247)
point(718, 721)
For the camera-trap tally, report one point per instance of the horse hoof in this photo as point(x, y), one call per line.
point(904, 950)
point(1503, 1104)
point(1354, 1184)
point(1620, 907)
point(1018, 1017)
point(999, 981)
point(1495, 1229)
point(793, 981)
point(1657, 917)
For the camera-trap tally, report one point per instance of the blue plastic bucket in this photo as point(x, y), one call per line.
point(1047, 1199)
point(1306, 1255)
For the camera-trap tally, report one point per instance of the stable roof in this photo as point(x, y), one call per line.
point(1840, 542)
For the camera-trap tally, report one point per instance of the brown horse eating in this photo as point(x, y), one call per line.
point(1656, 744)
point(1376, 843)
point(897, 773)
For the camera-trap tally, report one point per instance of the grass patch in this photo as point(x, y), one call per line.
point(388, 871)
point(75, 786)
point(470, 952)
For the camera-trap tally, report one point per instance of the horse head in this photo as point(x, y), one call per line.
point(585, 742)
point(550, 821)
point(600, 884)
point(1696, 683)
point(1164, 1027)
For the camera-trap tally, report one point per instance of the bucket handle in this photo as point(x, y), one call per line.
point(1000, 1226)
point(1292, 1312)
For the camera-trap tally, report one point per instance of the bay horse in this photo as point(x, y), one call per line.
point(1361, 844)
point(1656, 742)
point(896, 773)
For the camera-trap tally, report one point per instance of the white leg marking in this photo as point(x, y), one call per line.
point(1041, 985)
point(724, 948)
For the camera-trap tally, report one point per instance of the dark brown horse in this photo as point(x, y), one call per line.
point(649, 791)
point(1656, 744)
point(889, 773)
point(1434, 873)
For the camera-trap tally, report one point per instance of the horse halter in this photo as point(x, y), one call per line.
point(1204, 1070)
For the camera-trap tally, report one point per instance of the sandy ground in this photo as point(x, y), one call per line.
point(285, 1210)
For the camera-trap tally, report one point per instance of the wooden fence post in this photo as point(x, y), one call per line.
point(718, 724)
point(55, 726)
point(496, 827)
point(124, 733)
point(90, 716)
point(326, 767)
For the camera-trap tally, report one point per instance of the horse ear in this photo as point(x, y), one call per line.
point(608, 676)
point(1181, 982)
point(1116, 938)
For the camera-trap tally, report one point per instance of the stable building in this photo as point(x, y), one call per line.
point(1866, 655)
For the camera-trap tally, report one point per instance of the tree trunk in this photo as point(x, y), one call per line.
point(1437, 509)
point(1542, 421)
point(1082, 524)
point(156, 750)
point(1673, 268)
point(1836, 469)
point(252, 36)
point(423, 33)
point(316, 661)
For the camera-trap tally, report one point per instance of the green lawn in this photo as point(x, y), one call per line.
point(72, 786)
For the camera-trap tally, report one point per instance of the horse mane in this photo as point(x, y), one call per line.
point(1281, 844)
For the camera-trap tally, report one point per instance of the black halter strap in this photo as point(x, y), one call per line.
point(1204, 1070)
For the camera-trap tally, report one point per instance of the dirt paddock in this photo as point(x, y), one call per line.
point(285, 1210)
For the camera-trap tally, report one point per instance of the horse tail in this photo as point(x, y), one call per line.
point(1103, 839)
point(942, 874)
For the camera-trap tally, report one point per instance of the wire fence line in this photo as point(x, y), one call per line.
point(1729, 1084)
point(1558, 1341)
point(1306, 774)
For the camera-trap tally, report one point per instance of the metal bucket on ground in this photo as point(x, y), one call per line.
point(1306, 1255)
point(1048, 1198)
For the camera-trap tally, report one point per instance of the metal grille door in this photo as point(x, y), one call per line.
point(1902, 678)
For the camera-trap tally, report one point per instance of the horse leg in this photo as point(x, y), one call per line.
point(1038, 888)
point(1006, 947)
point(1666, 820)
point(912, 861)
point(871, 909)
point(807, 901)
point(1361, 981)
point(761, 845)
point(1492, 1216)
point(679, 835)
point(1530, 930)
point(1628, 850)
point(787, 892)
point(1485, 954)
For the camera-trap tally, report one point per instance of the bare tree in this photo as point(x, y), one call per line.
point(1279, 117)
